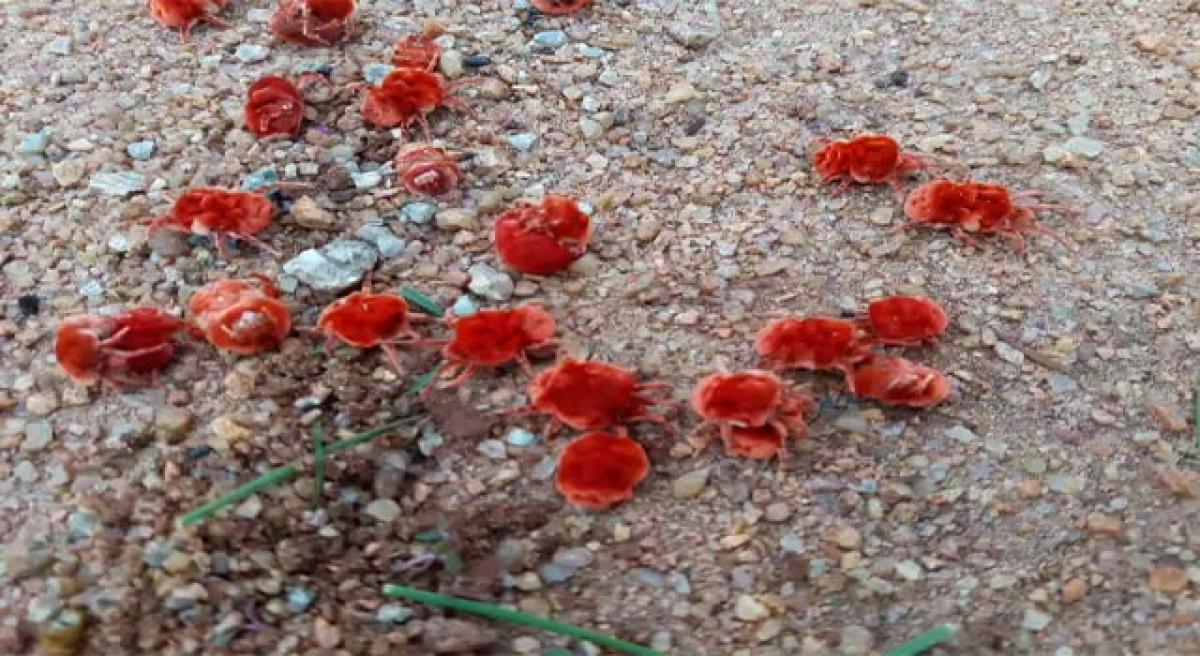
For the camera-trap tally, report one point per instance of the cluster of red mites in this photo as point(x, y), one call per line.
point(965, 208)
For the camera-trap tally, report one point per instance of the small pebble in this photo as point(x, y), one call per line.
point(522, 142)
point(493, 449)
point(383, 510)
point(856, 640)
point(1085, 147)
point(690, 484)
point(374, 73)
point(250, 53)
point(34, 143)
point(517, 436)
point(60, 45)
point(141, 150)
point(366, 180)
point(384, 240)
point(749, 609)
point(300, 599)
point(489, 283)
point(464, 306)
point(393, 614)
point(260, 178)
point(548, 41)
point(38, 435)
point(477, 61)
point(418, 212)
point(1035, 620)
point(117, 183)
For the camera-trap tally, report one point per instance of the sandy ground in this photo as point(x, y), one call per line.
point(1047, 509)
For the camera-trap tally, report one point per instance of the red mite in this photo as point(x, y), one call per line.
point(905, 320)
point(128, 349)
point(543, 239)
point(407, 95)
point(599, 470)
point(184, 14)
point(560, 7)
point(313, 22)
point(754, 410)
point(967, 208)
point(365, 320)
point(274, 107)
point(869, 159)
point(241, 316)
point(221, 213)
point(492, 338)
point(417, 51)
point(896, 381)
point(819, 343)
point(592, 396)
point(426, 170)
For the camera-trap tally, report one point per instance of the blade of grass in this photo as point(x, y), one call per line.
point(422, 301)
point(500, 614)
point(924, 642)
point(319, 459)
point(425, 381)
point(269, 479)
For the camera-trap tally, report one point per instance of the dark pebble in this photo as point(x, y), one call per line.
point(897, 78)
point(29, 305)
point(198, 452)
point(695, 126)
point(280, 200)
point(477, 61)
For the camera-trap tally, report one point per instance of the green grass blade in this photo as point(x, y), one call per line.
point(500, 614)
point(267, 480)
point(319, 458)
point(422, 301)
point(425, 381)
point(924, 642)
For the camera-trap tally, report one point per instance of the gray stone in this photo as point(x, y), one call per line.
point(1085, 147)
point(464, 306)
point(38, 435)
point(1064, 484)
point(856, 640)
point(690, 484)
point(1053, 154)
point(68, 171)
point(386, 242)
point(791, 543)
point(691, 35)
point(493, 449)
point(518, 436)
point(337, 266)
point(117, 183)
point(300, 599)
point(34, 143)
point(186, 596)
point(961, 434)
point(82, 525)
point(548, 41)
point(383, 510)
point(60, 45)
point(25, 472)
point(260, 178)
point(249, 53)
point(393, 614)
point(451, 64)
point(590, 129)
point(778, 512)
point(1009, 354)
point(366, 180)
point(374, 73)
point(577, 557)
point(490, 283)
point(141, 150)
point(418, 212)
point(555, 573)
point(544, 469)
point(1035, 620)
point(522, 142)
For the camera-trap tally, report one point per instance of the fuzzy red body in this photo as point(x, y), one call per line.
point(593, 396)
point(183, 15)
point(126, 349)
point(220, 213)
point(241, 316)
point(543, 239)
point(969, 208)
point(408, 95)
point(274, 107)
point(313, 22)
point(754, 410)
point(905, 320)
point(417, 51)
point(560, 7)
point(897, 381)
point(426, 170)
point(819, 343)
point(599, 470)
point(492, 338)
point(869, 159)
point(365, 320)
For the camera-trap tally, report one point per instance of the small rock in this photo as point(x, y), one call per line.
point(117, 183)
point(548, 41)
point(690, 35)
point(522, 142)
point(185, 597)
point(250, 508)
point(307, 213)
point(1168, 577)
point(171, 424)
point(60, 45)
point(141, 150)
point(300, 599)
point(1009, 354)
point(260, 178)
point(82, 525)
point(41, 403)
point(661, 641)
point(38, 435)
point(791, 543)
point(1054, 154)
point(1085, 147)
point(961, 434)
point(418, 212)
point(337, 266)
point(383, 510)
point(856, 640)
point(1074, 590)
point(450, 636)
point(1103, 524)
point(1035, 620)
point(1065, 484)
point(374, 73)
point(778, 512)
point(847, 538)
point(749, 609)
point(250, 53)
point(517, 436)
point(25, 472)
point(852, 422)
point(909, 570)
point(366, 179)
point(1169, 418)
point(66, 634)
point(681, 92)
point(34, 143)
point(327, 635)
point(690, 484)
point(393, 614)
point(489, 283)
point(451, 64)
point(493, 449)
point(384, 240)
point(68, 171)
point(456, 219)
point(464, 306)
point(590, 129)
